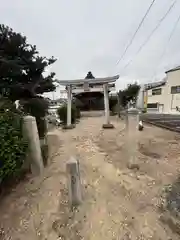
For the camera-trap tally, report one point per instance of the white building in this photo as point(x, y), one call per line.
point(164, 97)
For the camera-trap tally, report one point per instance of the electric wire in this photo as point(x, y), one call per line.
point(135, 33)
point(151, 34)
point(169, 39)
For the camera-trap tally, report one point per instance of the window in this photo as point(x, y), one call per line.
point(156, 91)
point(152, 105)
point(175, 89)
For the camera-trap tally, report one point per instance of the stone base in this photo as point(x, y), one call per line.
point(108, 126)
point(68, 126)
point(133, 166)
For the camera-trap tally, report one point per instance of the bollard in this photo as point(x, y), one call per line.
point(74, 183)
point(31, 133)
point(132, 122)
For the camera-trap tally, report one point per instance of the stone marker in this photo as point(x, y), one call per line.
point(74, 183)
point(31, 133)
point(140, 126)
point(132, 122)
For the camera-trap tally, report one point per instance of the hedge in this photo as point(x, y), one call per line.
point(62, 113)
point(12, 144)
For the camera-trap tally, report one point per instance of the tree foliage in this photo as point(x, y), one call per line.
point(129, 94)
point(89, 76)
point(37, 107)
point(21, 67)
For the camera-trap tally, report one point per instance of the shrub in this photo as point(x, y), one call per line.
point(37, 107)
point(62, 113)
point(112, 102)
point(12, 144)
point(78, 113)
point(144, 110)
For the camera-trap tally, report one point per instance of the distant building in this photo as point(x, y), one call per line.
point(164, 96)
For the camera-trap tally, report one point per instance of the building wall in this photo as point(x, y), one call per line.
point(167, 101)
point(172, 100)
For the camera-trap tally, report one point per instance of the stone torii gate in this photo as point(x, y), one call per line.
point(72, 86)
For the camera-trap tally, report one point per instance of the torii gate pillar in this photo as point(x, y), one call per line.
point(69, 104)
point(107, 123)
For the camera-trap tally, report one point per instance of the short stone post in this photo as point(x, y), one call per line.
point(31, 133)
point(74, 184)
point(132, 122)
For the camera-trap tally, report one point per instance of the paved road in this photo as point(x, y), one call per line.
point(169, 121)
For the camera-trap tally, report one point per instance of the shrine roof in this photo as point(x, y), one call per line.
point(93, 81)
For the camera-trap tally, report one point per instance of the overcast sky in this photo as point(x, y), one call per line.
point(91, 35)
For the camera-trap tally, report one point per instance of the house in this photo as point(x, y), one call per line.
point(164, 96)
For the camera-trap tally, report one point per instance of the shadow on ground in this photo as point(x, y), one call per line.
point(173, 198)
point(171, 207)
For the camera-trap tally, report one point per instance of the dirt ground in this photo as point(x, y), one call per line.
point(119, 202)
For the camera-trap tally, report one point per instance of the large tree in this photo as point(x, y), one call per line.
point(21, 67)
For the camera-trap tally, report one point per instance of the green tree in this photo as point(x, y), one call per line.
point(128, 94)
point(21, 67)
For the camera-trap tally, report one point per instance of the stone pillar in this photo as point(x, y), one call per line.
point(69, 105)
point(140, 98)
point(107, 123)
point(132, 123)
point(74, 182)
point(35, 156)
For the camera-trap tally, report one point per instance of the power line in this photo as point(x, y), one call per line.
point(169, 39)
point(135, 33)
point(151, 34)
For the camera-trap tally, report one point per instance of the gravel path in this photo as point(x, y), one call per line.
point(119, 203)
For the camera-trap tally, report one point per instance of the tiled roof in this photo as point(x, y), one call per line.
point(155, 84)
point(173, 69)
